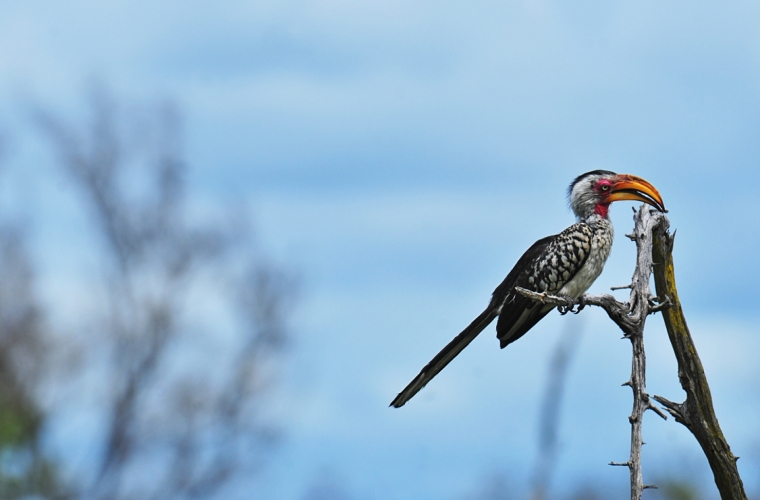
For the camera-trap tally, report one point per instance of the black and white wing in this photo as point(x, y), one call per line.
point(561, 259)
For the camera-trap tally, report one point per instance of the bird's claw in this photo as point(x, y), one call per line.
point(581, 305)
point(570, 306)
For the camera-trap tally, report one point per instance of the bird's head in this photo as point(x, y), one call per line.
point(591, 193)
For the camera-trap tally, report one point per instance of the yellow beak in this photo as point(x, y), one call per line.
point(630, 187)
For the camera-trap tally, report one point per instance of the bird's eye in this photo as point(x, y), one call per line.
point(604, 187)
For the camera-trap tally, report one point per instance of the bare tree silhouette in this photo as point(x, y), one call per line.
point(551, 406)
point(192, 319)
point(25, 471)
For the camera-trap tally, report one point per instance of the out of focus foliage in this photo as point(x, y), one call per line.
point(24, 470)
point(178, 351)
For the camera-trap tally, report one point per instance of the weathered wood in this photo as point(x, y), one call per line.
point(630, 317)
point(654, 246)
point(697, 412)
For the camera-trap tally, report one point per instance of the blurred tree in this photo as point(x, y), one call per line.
point(551, 406)
point(24, 469)
point(678, 490)
point(190, 321)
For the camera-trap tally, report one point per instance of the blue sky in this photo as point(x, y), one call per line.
point(401, 156)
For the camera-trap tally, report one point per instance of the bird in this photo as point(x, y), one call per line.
point(564, 264)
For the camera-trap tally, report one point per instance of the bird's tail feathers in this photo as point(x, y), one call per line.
point(448, 353)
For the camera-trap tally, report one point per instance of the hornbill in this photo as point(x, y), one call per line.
point(565, 264)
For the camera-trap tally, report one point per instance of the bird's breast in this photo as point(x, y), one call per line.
point(600, 246)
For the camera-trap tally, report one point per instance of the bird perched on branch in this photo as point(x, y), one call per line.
point(565, 264)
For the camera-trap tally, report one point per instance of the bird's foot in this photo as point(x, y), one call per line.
point(571, 304)
point(581, 304)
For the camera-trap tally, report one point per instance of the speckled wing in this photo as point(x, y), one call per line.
point(560, 258)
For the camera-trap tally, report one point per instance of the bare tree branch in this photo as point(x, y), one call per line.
point(696, 413)
point(630, 317)
point(654, 255)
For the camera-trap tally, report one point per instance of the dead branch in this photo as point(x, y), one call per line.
point(696, 413)
point(655, 245)
point(630, 317)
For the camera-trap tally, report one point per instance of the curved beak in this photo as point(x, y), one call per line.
point(630, 187)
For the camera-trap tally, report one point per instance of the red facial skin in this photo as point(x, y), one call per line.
point(603, 186)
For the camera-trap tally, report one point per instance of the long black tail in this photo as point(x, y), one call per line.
point(446, 355)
